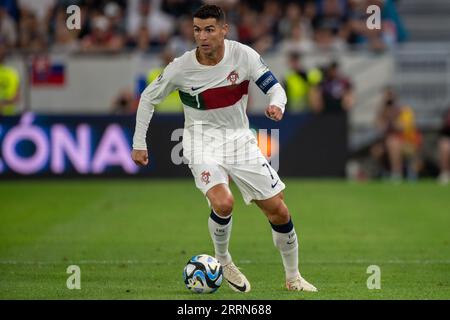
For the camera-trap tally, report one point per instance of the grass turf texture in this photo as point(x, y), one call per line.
point(132, 239)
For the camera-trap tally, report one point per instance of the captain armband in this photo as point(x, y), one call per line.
point(266, 81)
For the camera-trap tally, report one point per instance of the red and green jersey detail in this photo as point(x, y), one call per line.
point(216, 98)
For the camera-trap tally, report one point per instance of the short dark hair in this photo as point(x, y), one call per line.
point(210, 11)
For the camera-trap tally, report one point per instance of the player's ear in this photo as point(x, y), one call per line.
point(224, 29)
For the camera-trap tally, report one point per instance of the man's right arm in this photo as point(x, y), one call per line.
point(150, 97)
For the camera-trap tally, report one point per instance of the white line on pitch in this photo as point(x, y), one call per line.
point(166, 262)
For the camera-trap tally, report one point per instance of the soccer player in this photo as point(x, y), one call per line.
point(213, 84)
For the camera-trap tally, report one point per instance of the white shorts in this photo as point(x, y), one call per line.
point(256, 180)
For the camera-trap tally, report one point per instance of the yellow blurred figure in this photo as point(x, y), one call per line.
point(9, 87)
point(301, 84)
point(407, 127)
point(172, 103)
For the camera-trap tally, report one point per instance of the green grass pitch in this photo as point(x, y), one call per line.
point(132, 238)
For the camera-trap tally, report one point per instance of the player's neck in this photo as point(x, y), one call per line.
point(211, 59)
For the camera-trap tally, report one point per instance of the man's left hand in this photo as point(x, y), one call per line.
point(274, 112)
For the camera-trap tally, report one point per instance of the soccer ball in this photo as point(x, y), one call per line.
point(203, 274)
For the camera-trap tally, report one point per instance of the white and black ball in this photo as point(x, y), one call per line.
point(203, 274)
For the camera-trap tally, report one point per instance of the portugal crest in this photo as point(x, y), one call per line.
point(233, 77)
point(205, 176)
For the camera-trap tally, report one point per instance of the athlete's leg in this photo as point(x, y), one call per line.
point(212, 179)
point(285, 239)
point(220, 222)
point(283, 232)
point(260, 183)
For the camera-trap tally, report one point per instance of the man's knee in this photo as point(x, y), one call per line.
point(280, 214)
point(221, 200)
point(277, 211)
point(223, 206)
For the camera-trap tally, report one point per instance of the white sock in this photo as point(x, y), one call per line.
point(287, 243)
point(220, 231)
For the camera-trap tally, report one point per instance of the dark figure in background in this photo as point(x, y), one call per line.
point(125, 103)
point(336, 92)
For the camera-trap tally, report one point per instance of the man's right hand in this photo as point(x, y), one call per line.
point(140, 157)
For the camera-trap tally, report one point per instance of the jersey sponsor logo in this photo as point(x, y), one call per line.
point(205, 177)
point(233, 77)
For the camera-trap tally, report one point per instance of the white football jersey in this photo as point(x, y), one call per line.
point(214, 97)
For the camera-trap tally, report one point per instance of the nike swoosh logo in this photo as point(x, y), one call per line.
point(196, 88)
point(240, 288)
point(291, 242)
point(273, 185)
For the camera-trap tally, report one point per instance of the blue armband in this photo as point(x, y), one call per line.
point(266, 81)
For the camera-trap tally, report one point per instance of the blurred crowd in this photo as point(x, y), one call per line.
point(147, 25)
point(293, 28)
point(399, 152)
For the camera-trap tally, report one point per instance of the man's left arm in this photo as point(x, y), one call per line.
point(268, 83)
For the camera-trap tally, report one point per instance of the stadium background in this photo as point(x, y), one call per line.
point(74, 118)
